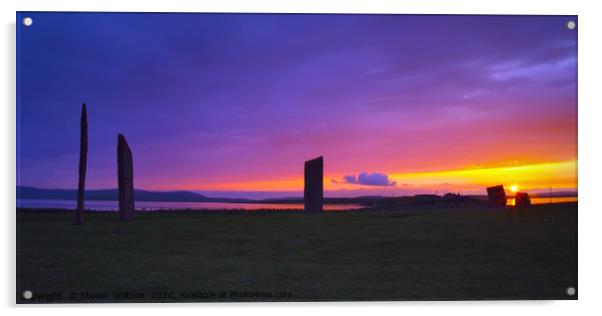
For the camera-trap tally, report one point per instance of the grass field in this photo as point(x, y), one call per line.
point(471, 254)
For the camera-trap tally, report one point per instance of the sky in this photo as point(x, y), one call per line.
point(233, 104)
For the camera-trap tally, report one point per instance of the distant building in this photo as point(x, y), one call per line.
point(452, 197)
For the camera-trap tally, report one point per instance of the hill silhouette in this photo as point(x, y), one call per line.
point(25, 192)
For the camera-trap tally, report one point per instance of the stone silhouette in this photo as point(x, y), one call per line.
point(497, 195)
point(313, 193)
point(522, 200)
point(83, 161)
point(125, 176)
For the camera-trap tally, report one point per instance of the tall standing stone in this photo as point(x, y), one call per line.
point(83, 160)
point(497, 195)
point(313, 193)
point(125, 177)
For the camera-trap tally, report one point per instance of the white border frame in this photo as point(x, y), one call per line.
point(590, 209)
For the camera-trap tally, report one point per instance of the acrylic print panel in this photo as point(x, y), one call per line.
point(295, 157)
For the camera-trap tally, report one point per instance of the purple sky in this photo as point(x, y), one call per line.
point(237, 102)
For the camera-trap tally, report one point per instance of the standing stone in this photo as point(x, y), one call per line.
point(522, 200)
point(314, 185)
point(83, 159)
point(125, 176)
point(497, 195)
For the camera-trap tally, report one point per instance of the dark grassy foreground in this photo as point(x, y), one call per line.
point(469, 254)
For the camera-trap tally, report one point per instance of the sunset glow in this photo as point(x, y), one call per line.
point(235, 103)
point(561, 175)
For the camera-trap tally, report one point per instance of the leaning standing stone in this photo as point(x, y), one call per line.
point(497, 195)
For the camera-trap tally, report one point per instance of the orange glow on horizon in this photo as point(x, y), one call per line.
point(532, 176)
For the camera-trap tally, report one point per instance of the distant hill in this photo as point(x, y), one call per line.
point(112, 195)
point(535, 195)
point(556, 194)
point(25, 192)
point(328, 200)
point(284, 199)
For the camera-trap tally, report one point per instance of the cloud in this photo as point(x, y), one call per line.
point(365, 178)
